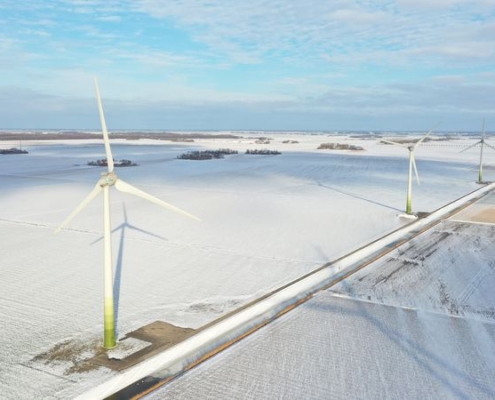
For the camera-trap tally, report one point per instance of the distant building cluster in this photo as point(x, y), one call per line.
point(104, 163)
point(206, 154)
point(339, 146)
point(263, 140)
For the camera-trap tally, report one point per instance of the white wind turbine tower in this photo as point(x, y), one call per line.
point(107, 180)
point(412, 165)
point(482, 143)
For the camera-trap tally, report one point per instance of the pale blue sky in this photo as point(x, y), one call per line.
point(257, 64)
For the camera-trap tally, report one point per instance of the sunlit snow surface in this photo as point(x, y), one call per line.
point(450, 269)
point(266, 221)
point(339, 348)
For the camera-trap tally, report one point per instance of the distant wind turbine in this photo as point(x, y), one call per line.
point(107, 180)
point(412, 165)
point(482, 143)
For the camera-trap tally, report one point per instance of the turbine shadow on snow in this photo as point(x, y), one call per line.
point(318, 183)
point(125, 225)
point(324, 257)
point(422, 356)
point(120, 256)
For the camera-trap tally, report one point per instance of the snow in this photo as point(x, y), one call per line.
point(188, 352)
point(340, 348)
point(266, 221)
point(448, 269)
point(127, 347)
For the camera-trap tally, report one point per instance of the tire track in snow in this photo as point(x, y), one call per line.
point(473, 285)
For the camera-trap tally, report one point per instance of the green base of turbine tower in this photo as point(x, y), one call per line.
point(408, 207)
point(109, 341)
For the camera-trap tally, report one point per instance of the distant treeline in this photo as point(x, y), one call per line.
point(264, 152)
point(78, 135)
point(206, 154)
point(104, 163)
point(413, 140)
point(13, 150)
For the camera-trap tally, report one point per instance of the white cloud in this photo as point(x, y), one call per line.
point(450, 79)
point(248, 32)
point(258, 27)
point(359, 18)
point(467, 51)
point(435, 95)
point(110, 18)
point(435, 5)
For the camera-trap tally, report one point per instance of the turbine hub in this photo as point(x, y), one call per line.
point(108, 179)
point(411, 148)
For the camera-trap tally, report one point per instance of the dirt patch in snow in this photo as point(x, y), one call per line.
point(487, 215)
point(75, 356)
point(70, 356)
point(161, 335)
point(477, 213)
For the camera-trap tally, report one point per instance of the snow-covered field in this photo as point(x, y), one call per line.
point(339, 348)
point(450, 269)
point(266, 220)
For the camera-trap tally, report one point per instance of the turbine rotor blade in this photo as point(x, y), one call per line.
point(395, 143)
point(424, 136)
point(483, 131)
point(125, 187)
point(489, 145)
point(415, 168)
point(467, 148)
point(108, 150)
point(95, 192)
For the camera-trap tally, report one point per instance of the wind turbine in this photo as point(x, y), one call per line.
point(412, 165)
point(482, 142)
point(107, 180)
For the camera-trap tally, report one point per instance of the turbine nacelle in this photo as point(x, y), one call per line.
point(108, 179)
